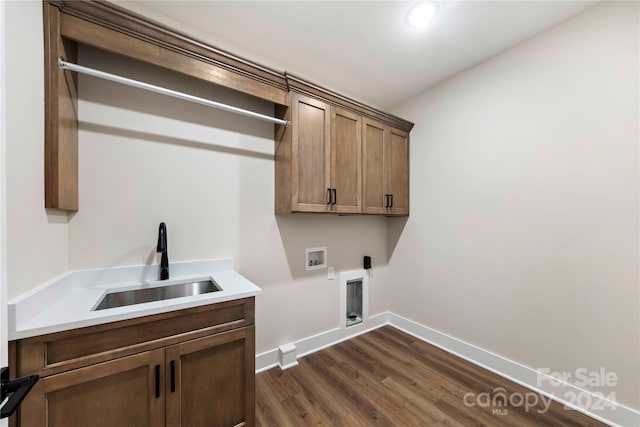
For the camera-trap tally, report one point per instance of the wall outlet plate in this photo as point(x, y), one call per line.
point(330, 273)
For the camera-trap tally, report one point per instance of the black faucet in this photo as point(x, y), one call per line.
point(162, 247)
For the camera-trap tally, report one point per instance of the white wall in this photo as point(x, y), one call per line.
point(36, 238)
point(523, 235)
point(145, 158)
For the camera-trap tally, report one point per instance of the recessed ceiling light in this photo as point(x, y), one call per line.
point(421, 14)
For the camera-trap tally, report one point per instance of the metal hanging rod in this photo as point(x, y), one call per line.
point(153, 88)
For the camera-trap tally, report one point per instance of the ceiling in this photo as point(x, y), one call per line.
point(361, 49)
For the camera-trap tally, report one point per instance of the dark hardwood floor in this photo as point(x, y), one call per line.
point(389, 378)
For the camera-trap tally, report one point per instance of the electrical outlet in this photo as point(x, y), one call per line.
point(330, 273)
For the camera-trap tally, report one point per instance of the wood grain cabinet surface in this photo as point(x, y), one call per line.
point(385, 163)
point(310, 154)
point(319, 165)
point(322, 163)
point(203, 377)
point(397, 172)
point(332, 160)
point(346, 161)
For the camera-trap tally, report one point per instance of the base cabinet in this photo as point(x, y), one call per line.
point(206, 381)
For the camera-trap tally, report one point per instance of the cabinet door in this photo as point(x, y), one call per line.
point(123, 392)
point(398, 172)
point(346, 173)
point(211, 382)
point(310, 145)
point(374, 181)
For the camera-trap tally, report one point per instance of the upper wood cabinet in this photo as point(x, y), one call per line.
point(330, 160)
point(310, 155)
point(346, 161)
point(385, 167)
point(397, 171)
point(318, 160)
point(374, 188)
point(319, 164)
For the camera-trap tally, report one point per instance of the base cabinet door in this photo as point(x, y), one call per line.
point(123, 392)
point(207, 382)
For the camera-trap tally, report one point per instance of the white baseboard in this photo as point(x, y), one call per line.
point(266, 360)
point(269, 359)
point(612, 413)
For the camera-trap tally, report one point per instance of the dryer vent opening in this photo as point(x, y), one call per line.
point(354, 299)
point(354, 302)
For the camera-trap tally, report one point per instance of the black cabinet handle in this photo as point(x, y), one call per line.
point(386, 200)
point(173, 376)
point(328, 196)
point(157, 381)
point(334, 196)
point(391, 197)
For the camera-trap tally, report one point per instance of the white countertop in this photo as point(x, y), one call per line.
point(67, 301)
